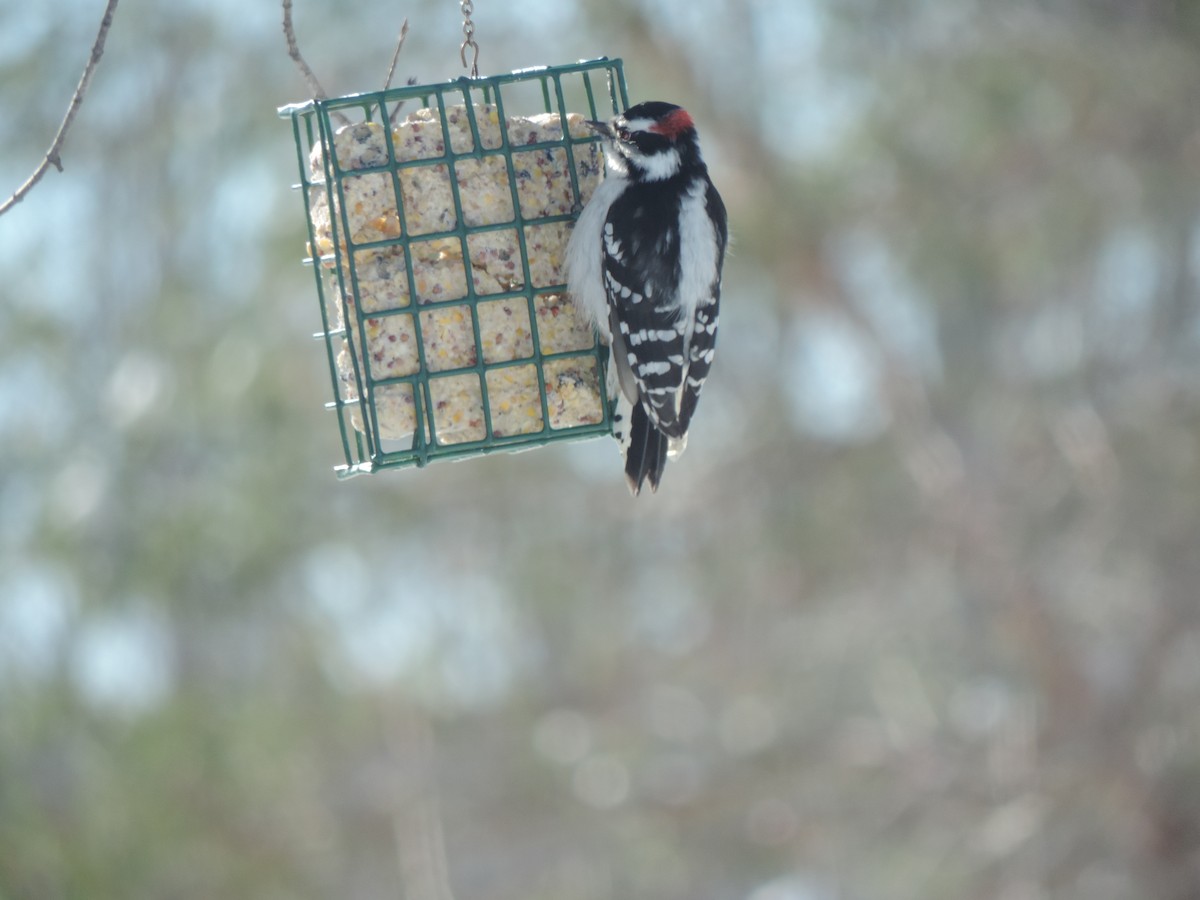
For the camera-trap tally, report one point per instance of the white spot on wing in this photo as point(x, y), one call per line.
point(657, 367)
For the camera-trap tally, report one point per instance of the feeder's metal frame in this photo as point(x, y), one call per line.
point(313, 124)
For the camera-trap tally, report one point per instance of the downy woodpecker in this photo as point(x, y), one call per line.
point(644, 264)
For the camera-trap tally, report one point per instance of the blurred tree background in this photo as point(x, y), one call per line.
point(915, 617)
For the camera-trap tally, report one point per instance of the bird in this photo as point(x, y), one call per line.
point(644, 265)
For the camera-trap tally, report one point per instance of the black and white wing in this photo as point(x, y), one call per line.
point(662, 283)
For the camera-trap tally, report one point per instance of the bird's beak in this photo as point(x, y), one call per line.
point(601, 128)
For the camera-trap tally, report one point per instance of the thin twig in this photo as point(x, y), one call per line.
point(399, 106)
point(392, 71)
point(310, 77)
point(53, 157)
point(396, 56)
point(289, 32)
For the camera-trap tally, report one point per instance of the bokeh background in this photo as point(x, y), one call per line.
point(915, 617)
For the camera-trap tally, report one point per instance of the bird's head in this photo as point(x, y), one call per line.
point(651, 141)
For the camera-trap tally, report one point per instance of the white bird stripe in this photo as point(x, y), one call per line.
point(611, 245)
point(697, 251)
point(655, 367)
point(652, 334)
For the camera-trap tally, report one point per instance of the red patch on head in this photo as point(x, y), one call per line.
point(673, 124)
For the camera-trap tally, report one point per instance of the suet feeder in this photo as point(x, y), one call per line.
point(437, 234)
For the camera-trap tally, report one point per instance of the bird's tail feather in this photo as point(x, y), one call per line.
point(643, 446)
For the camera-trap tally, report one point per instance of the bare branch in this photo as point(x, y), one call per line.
point(53, 157)
point(392, 71)
point(310, 77)
point(417, 825)
point(399, 106)
point(396, 56)
point(289, 32)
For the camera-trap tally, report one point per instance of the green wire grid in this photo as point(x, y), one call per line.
point(546, 89)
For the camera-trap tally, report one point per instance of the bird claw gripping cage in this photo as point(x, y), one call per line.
point(438, 242)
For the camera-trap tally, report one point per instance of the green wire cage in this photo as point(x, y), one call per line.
point(437, 235)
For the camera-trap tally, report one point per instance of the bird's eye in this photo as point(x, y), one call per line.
point(623, 133)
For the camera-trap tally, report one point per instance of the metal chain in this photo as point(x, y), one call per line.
point(468, 7)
